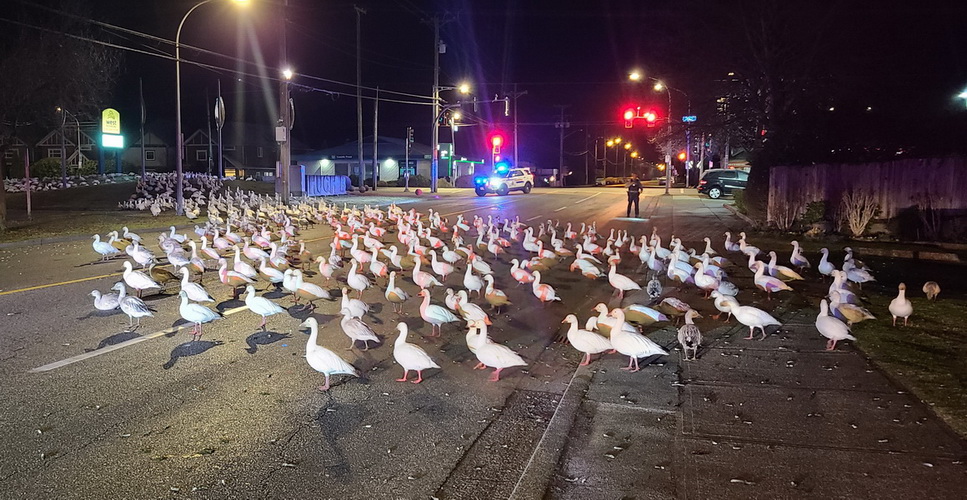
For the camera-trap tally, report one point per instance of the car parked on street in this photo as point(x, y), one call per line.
point(504, 181)
point(721, 181)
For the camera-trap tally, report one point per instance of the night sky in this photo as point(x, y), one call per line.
point(906, 61)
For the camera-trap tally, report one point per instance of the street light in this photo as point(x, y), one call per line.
point(963, 95)
point(179, 141)
point(463, 88)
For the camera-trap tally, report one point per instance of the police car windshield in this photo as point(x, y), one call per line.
point(505, 173)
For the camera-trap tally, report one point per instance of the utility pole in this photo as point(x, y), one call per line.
point(143, 118)
point(285, 116)
point(361, 171)
point(435, 108)
point(376, 140)
point(561, 125)
point(516, 142)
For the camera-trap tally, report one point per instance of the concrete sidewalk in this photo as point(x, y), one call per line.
point(781, 418)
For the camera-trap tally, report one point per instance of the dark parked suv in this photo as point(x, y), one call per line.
point(718, 182)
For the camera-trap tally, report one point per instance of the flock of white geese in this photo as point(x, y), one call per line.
point(252, 240)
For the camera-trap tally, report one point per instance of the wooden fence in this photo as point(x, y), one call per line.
point(897, 186)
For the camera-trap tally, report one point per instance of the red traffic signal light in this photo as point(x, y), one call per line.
point(496, 140)
point(650, 118)
point(629, 115)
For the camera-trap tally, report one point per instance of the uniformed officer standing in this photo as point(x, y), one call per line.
point(634, 191)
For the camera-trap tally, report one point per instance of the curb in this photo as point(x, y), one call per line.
point(535, 479)
point(78, 237)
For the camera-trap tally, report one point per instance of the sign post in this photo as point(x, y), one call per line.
point(111, 137)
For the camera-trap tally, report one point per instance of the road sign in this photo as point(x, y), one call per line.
point(689, 118)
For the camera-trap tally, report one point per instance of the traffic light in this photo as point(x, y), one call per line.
point(681, 156)
point(650, 118)
point(409, 138)
point(496, 140)
point(629, 115)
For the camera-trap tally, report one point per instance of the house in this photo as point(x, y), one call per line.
point(50, 145)
point(391, 152)
point(14, 157)
point(157, 153)
point(248, 150)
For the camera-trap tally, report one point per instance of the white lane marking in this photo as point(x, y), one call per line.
point(589, 197)
point(559, 209)
point(128, 343)
point(534, 217)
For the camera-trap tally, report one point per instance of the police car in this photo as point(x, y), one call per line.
point(504, 180)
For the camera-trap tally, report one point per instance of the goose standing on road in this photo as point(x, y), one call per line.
point(196, 313)
point(631, 344)
point(105, 249)
point(620, 282)
point(131, 305)
point(356, 330)
point(137, 279)
point(261, 305)
point(493, 355)
point(689, 336)
point(323, 360)
point(831, 328)
point(753, 317)
point(585, 341)
point(411, 356)
point(194, 290)
point(106, 302)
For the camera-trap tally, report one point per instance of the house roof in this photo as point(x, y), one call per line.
point(387, 146)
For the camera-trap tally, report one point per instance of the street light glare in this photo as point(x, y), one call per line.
point(610, 143)
point(464, 88)
point(241, 2)
point(634, 76)
point(287, 73)
point(659, 87)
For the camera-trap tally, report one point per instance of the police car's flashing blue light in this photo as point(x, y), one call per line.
point(502, 167)
point(480, 181)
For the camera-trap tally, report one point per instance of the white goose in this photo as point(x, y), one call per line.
point(323, 360)
point(796, 258)
point(830, 327)
point(471, 312)
point(435, 315)
point(753, 318)
point(901, 307)
point(196, 313)
point(137, 279)
point(494, 355)
point(585, 341)
point(356, 307)
point(472, 282)
point(544, 292)
point(826, 267)
point(620, 282)
point(106, 302)
point(357, 281)
point(394, 294)
point(195, 291)
point(131, 305)
point(631, 344)
point(356, 330)
point(411, 356)
point(261, 305)
point(724, 303)
point(104, 248)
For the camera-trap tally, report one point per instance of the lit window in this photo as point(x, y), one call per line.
point(201, 155)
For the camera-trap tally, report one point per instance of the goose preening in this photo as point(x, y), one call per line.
point(411, 356)
point(493, 355)
point(261, 305)
point(585, 341)
point(932, 289)
point(133, 306)
point(901, 307)
point(631, 344)
point(323, 360)
point(689, 336)
point(196, 313)
point(831, 328)
point(851, 313)
point(724, 304)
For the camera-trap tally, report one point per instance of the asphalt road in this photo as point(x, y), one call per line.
point(92, 411)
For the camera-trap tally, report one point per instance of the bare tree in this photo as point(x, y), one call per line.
point(857, 210)
point(49, 60)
